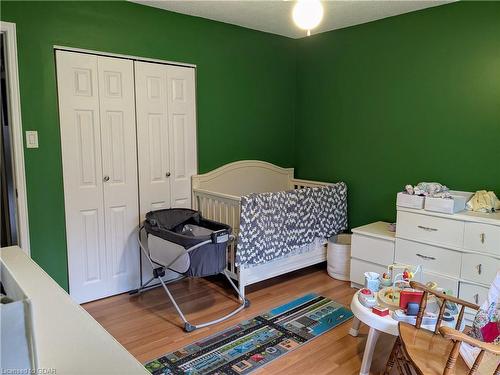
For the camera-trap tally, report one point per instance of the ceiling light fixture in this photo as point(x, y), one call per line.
point(307, 14)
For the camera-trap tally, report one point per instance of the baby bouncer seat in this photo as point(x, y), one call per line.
point(182, 241)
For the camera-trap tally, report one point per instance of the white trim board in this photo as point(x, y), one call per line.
point(129, 57)
point(8, 29)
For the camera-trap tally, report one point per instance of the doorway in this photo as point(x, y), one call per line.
point(9, 204)
point(13, 209)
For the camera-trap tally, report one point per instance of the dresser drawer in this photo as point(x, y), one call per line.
point(473, 293)
point(430, 229)
point(359, 267)
point(372, 249)
point(431, 258)
point(479, 268)
point(482, 237)
point(447, 283)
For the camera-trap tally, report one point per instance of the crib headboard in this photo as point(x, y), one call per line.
point(245, 177)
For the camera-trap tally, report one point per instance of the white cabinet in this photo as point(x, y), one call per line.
point(482, 237)
point(128, 140)
point(479, 268)
point(372, 249)
point(473, 293)
point(432, 258)
point(459, 251)
point(430, 229)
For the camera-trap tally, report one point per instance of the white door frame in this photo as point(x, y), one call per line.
point(8, 29)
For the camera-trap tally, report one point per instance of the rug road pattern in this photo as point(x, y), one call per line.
point(253, 343)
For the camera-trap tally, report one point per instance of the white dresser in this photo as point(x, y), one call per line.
point(372, 249)
point(459, 251)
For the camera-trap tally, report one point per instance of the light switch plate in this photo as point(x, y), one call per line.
point(31, 139)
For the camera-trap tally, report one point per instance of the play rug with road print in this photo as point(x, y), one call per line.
point(253, 343)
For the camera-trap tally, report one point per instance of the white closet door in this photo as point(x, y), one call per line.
point(119, 165)
point(182, 133)
point(97, 119)
point(152, 137)
point(166, 135)
point(77, 82)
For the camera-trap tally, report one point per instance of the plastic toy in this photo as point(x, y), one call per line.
point(386, 280)
point(409, 295)
point(380, 310)
point(412, 308)
point(367, 298)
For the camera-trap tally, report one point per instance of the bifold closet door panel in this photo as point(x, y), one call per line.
point(182, 133)
point(152, 137)
point(119, 166)
point(98, 140)
point(77, 83)
point(166, 135)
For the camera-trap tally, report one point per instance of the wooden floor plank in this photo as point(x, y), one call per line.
point(148, 326)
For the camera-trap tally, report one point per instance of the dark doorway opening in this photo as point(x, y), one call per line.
point(9, 235)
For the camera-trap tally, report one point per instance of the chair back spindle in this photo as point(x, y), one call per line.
point(460, 318)
point(421, 310)
point(475, 366)
point(440, 316)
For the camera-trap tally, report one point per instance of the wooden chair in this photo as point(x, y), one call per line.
point(426, 352)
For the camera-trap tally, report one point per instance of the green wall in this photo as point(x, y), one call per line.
point(245, 89)
point(401, 100)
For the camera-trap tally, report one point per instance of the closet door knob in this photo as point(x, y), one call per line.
point(167, 174)
point(106, 178)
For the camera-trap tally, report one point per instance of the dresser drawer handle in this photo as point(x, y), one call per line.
point(427, 228)
point(476, 298)
point(479, 268)
point(426, 257)
point(482, 236)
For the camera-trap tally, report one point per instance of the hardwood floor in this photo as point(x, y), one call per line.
point(148, 326)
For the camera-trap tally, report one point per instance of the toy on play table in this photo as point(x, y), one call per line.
point(404, 273)
point(386, 280)
point(372, 281)
point(380, 310)
point(397, 278)
point(407, 296)
point(367, 298)
point(451, 307)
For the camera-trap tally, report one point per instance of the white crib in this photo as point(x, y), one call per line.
point(217, 196)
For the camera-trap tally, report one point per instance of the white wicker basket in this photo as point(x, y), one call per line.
point(339, 256)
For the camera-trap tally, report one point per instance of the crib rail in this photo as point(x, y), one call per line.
point(223, 208)
point(296, 183)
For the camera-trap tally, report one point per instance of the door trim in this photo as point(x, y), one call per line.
point(128, 57)
point(8, 29)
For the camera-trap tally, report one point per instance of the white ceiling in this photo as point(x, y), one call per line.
point(275, 16)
